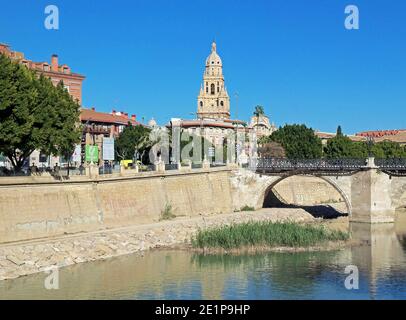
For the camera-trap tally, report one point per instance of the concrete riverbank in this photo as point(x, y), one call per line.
point(24, 258)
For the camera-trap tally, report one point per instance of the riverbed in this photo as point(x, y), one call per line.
point(180, 274)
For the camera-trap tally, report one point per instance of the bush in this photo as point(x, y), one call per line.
point(166, 213)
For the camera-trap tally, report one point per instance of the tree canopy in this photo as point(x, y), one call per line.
point(34, 114)
point(133, 139)
point(343, 147)
point(298, 141)
point(388, 149)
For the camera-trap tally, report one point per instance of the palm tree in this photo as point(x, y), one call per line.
point(259, 111)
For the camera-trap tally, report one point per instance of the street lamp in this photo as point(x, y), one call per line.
point(370, 144)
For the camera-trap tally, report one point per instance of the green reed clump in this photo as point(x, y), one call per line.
point(247, 208)
point(286, 234)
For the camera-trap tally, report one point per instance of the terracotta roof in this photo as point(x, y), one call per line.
point(380, 133)
point(235, 121)
point(398, 136)
point(95, 116)
point(198, 123)
point(327, 135)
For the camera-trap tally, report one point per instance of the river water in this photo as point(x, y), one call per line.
point(178, 274)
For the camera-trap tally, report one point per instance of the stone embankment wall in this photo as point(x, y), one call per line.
point(35, 207)
point(36, 256)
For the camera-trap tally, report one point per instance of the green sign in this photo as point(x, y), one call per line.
point(92, 153)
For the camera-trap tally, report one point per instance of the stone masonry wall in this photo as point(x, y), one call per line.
point(31, 210)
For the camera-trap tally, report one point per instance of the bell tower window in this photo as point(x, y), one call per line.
point(201, 103)
point(212, 89)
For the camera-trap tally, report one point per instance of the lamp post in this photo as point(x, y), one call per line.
point(370, 144)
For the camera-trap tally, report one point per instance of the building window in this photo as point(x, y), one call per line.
point(213, 88)
point(201, 103)
point(222, 103)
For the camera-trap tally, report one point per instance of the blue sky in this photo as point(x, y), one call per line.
point(294, 57)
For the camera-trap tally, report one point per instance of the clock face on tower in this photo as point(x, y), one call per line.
point(213, 100)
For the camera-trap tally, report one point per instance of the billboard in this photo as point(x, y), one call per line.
point(92, 153)
point(108, 149)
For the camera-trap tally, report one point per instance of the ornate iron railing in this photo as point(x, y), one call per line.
point(391, 163)
point(276, 164)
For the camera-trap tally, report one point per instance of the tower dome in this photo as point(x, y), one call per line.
point(152, 123)
point(213, 59)
point(213, 100)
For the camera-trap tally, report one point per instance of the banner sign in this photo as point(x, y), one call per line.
point(92, 153)
point(108, 149)
point(77, 157)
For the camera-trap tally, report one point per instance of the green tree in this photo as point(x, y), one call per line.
point(258, 112)
point(58, 129)
point(18, 110)
point(388, 149)
point(359, 150)
point(264, 140)
point(34, 114)
point(132, 139)
point(298, 141)
point(342, 147)
point(339, 131)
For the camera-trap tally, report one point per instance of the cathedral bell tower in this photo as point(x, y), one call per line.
point(213, 101)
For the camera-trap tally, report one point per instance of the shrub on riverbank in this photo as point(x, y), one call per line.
point(166, 213)
point(266, 234)
point(247, 208)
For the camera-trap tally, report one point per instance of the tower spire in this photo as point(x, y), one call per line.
point(213, 46)
point(213, 100)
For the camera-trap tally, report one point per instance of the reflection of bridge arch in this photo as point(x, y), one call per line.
point(267, 188)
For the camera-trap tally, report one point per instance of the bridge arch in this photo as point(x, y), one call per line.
point(267, 187)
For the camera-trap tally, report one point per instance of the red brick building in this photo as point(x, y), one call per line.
point(98, 125)
point(53, 70)
point(106, 124)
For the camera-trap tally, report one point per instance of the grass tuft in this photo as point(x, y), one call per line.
point(166, 213)
point(286, 234)
point(247, 208)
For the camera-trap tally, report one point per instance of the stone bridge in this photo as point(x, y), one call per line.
point(371, 193)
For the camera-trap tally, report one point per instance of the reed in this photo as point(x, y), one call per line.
point(251, 234)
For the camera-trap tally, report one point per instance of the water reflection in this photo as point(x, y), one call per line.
point(179, 274)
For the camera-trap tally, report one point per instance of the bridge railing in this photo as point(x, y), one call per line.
point(391, 163)
point(278, 164)
point(282, 164)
